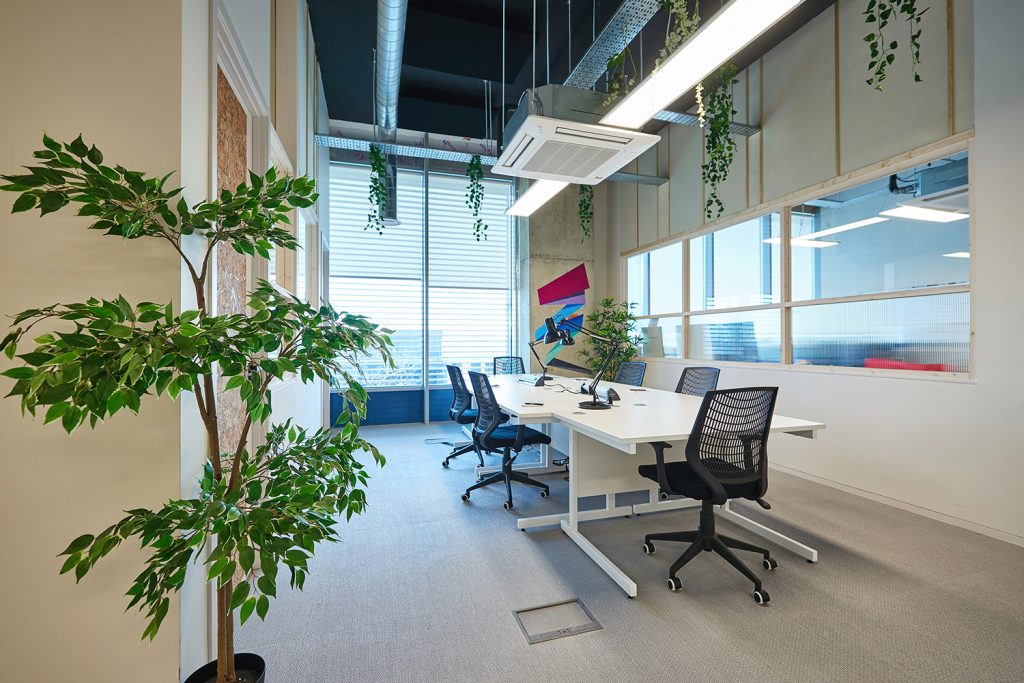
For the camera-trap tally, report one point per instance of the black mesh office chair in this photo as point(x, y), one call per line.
point(631, 372)
point(508, 365)
point(726, 457)
point(489, 434)
point(461, 412)
point(697, 381)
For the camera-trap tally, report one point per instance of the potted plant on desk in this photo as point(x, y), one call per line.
point(614, 321)
point(256, 509)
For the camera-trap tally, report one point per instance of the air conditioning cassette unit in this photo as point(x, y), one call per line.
point(554, 135)
point(943, 187)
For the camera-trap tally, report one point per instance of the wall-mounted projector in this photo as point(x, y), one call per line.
point(554, 135)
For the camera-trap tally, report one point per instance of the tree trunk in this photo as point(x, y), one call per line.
point(225, 635)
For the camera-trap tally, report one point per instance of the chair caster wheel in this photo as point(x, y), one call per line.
point(465, 496)
point(507, 505)
point(675, 584)
point(648, 548)
point(444, 463)
point(663, 496)
point(769, 563)
point(761, 597)
point(544, 494)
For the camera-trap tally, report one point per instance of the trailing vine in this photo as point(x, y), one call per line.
point(882, 50)
point(378, 190)
point(619, 82)
point(719, 146)
point(681, 24)
point(586, 210)
point(475, 196)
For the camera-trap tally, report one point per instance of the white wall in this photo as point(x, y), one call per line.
point(948, 449)
point(112, 71)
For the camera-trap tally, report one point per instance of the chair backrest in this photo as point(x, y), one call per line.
point(631, 372)
point(488, 412)
point(730, 434)
point(508, 365)
point(461, 398)
point(697, 381)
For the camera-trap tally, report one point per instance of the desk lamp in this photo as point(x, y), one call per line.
point(566, 338)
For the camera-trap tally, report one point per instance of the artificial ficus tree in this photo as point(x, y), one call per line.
point(258, 508)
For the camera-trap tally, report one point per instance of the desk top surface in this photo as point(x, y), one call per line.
point(640, 416)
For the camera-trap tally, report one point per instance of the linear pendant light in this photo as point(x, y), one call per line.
point(729, 30)
point(921, 213)
point(843, 228)
point(534, 198)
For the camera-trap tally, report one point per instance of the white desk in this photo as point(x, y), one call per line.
point(607, 446)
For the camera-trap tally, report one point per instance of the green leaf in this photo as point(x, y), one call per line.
point(267, 585)
point(239, 595)
point(262, 606)
point(19, 373)
point(56, 411)
point(24, 203)
point(79, 544)
point(246, 557)
point(50, 143)
point(247, 608)
point(51, 201)
point(78, 147)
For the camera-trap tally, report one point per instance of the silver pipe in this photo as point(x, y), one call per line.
point(390, 40)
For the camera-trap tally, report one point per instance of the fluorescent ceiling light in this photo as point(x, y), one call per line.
point(802, 242)
point(958, 254)
point(729, 31)
point(537, 196)
point(843, 228)
point(920, 213)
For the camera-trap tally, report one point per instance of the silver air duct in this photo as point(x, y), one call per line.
point(387, 74)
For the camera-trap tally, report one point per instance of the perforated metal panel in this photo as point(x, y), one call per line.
point(621, 29)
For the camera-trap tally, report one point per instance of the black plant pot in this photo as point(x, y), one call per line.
point(245, 663)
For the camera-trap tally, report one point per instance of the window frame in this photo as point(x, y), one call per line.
point(783, 206)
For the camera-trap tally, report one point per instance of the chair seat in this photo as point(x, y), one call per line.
point(505, 437)
point(685, 481)
point(469, 416)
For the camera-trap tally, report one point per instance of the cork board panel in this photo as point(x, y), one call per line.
point(232, 167)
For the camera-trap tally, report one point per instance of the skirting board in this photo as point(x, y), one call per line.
point(909, 507)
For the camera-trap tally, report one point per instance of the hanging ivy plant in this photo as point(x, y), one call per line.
point(586, 210)
point(681, 24)
point(378, 190)
point(880, 13)
point(619, 80)
point(719, 146)
point(475, 196)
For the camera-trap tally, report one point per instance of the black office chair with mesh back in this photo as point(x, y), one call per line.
point(461, 412)
point(508, 365)
point(631, 372)
point(697, 380)
point(490, 434)
point(726, 457)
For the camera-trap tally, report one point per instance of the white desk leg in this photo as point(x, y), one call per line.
point(806, 552)
point(571, 526)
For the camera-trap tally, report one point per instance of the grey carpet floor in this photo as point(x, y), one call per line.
point(423, 586)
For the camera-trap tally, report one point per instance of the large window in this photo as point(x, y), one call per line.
point(426, 278)
point(875, 276)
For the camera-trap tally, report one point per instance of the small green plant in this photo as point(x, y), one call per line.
point(680, 26)
point(620, 81)
point(719, 145)
point(614, 320)
point(586, 210)
point(378, 190)
point(257, 508)
point(882, 49)
point(475, 196)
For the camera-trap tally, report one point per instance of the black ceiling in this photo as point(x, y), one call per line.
point(453, 46)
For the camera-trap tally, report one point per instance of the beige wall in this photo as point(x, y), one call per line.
point(112, 71)
point(944, 449)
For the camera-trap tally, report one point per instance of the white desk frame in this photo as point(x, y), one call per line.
point(605, 448)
